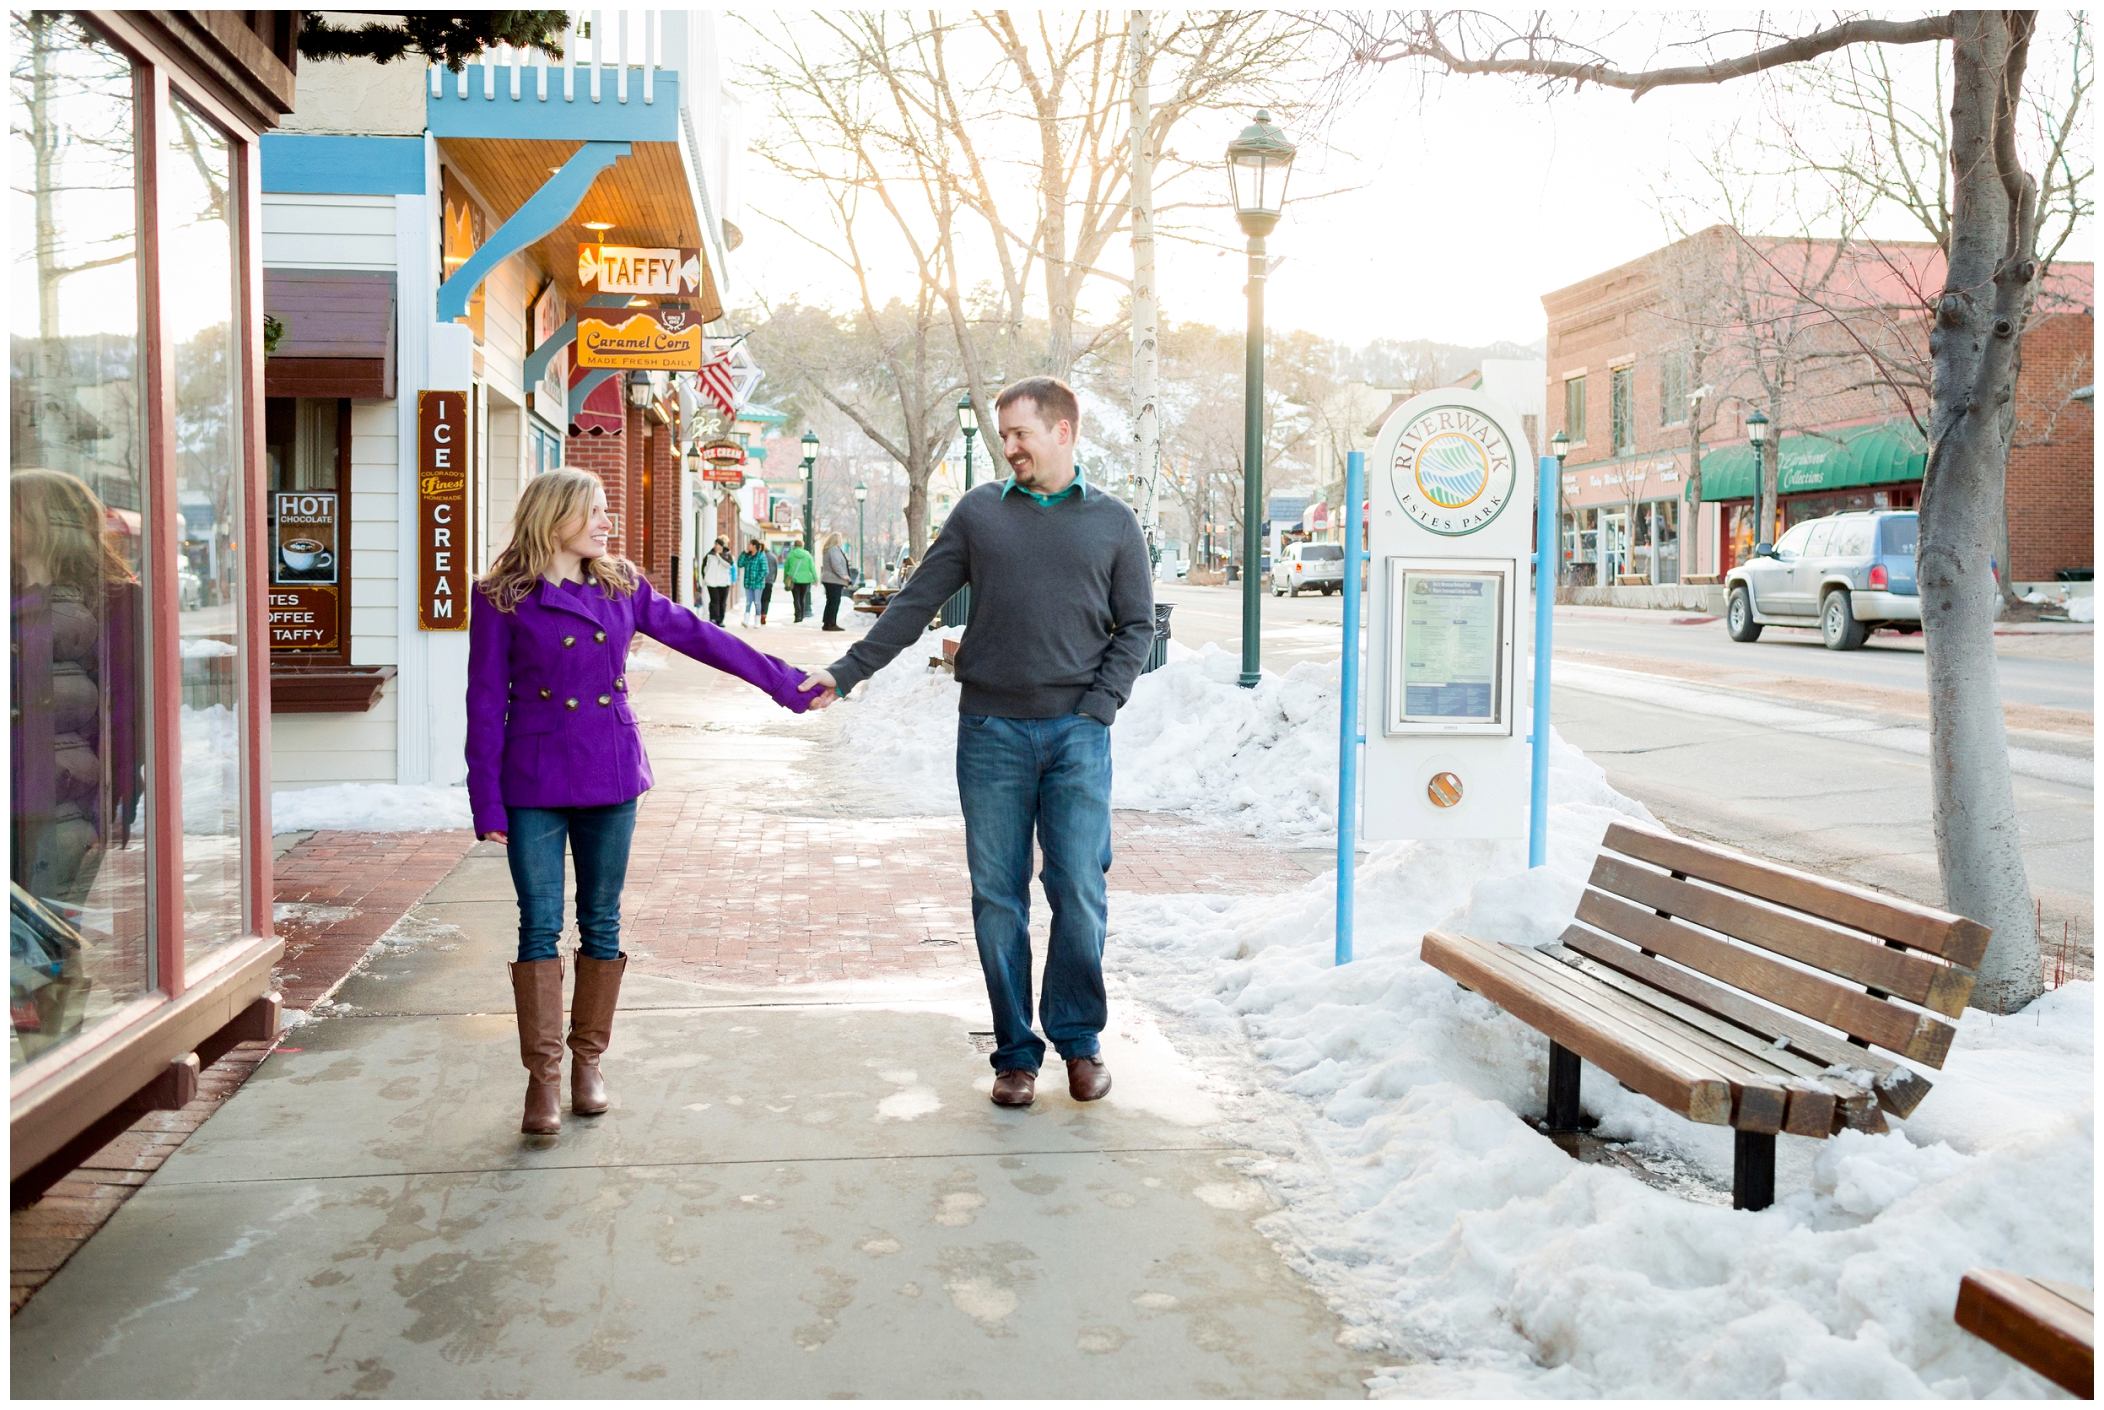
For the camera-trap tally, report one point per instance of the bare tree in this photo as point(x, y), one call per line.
point(1990, 282)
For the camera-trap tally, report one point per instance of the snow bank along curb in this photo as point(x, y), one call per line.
point(371, 807)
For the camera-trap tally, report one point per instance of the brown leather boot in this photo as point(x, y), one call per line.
point(591, 1025)
point(1015, 1087)
point(537, 994)
point(1087, 1079)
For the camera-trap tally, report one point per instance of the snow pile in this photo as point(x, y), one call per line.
point(901, 728)
point(211, 737)
point(642, 658)
point(371, 807)
point(2082, 609)
point(1381, 1098)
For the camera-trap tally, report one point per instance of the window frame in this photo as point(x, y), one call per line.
point(1621, 409)
point(282, 658)
point(1574, 425)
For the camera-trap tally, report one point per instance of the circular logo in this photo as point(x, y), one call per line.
point(1454, 470)
point(1444, 790)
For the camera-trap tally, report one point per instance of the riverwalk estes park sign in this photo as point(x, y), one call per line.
point(1447, 722)
point(646, 339)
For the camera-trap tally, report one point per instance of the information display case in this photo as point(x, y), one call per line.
point(1450, 647)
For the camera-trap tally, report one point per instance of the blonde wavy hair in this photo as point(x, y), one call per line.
point(550, 504)
point(58, 520)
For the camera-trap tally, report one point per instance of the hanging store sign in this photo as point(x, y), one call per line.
point(442, 511)
point(649, 339)
point(632, 269)
point(304, 572)
point(723, 462)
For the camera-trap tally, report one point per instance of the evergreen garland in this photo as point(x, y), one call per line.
point(451, 40)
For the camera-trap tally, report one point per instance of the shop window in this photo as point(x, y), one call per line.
point(80, 937)
point(197, 323)
point(1621, 409)
point(1574, 409)
point(307, 444)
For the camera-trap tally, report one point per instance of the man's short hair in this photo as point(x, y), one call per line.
point(1053, 399)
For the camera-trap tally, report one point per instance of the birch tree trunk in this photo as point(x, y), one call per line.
point(1146, 350)
point(1976, 347)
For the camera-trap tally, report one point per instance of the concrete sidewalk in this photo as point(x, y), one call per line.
point(801, 1190)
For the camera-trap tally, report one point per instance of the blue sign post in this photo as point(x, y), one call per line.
point(1348, 736)
point(1546, 547)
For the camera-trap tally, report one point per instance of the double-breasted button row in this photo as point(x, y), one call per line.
point(571, 703)
point(606, 700)
point(547, 694)
point(599, 636)
point(620, 682)
point(569, 641)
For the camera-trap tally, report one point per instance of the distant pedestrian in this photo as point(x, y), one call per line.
point(800, 572)
point(717, 574)
point(835, 577)
point(1062, 619)
point(556, 762)
point(905, 568)
point(752, 576)
point(774, 568)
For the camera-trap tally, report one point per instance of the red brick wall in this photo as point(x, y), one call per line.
point(2052, 488)
point(606, 457)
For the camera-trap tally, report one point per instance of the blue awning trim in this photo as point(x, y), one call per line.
point(311, 164)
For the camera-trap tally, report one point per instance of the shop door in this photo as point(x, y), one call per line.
point(1614, 545)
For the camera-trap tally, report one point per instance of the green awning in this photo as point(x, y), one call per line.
point(1857, 455)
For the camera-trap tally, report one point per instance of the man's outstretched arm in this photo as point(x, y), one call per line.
point(946, 569)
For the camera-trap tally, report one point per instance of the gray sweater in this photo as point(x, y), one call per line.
point(1062, 605)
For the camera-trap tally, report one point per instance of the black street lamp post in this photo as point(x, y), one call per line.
point(861, 532)
point(957, 612)
point(1764, 485)
point(1258, 163)
point(809, 469)
point(1559, 446)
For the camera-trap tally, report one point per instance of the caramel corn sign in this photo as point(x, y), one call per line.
point(646, 339)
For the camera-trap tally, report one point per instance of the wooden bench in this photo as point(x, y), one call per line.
point(2050, 1327)
point(1690, 972)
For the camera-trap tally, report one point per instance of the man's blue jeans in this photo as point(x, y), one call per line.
point(1051, 777)
point(598, 842)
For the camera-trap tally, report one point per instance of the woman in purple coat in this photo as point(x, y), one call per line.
point(554, 756)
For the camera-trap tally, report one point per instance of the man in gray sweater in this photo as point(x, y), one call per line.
point(1062, 618)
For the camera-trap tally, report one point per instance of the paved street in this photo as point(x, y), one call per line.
point(1814, 757)
point(801, 1190)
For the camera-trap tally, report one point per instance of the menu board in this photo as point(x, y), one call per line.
point(1448, 627)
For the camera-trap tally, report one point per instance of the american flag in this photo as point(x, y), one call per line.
point(717, 385)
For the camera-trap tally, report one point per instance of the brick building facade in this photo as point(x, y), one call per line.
point(634, 452)
point(1655, 365)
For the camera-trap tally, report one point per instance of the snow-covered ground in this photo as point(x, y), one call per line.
point(371, 807)
point(1379, 1102)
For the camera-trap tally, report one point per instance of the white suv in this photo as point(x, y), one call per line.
point(1316, 567)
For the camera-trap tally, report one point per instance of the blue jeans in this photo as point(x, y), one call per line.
point(752, 600)
point(598, 845)
point(1051, 777)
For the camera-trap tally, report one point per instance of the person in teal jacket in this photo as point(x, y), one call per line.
point(754, 569)
point(801, 571)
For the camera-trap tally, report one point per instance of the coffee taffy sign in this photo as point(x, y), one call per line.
point(644, 339)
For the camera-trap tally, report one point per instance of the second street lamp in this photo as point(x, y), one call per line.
point(1258, 163)
point(1559, 446)
point(957, 612)
point(1763, 486)
point(861, 533)
point(809, 467)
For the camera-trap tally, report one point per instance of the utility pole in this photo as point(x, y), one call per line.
point(1146, 349)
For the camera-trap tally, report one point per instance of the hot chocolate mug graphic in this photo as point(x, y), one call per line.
point(305, 555)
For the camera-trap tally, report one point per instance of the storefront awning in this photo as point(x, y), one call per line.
point(1878, 454)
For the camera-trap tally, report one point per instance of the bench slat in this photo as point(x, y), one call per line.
point(1659, 1073)
point(1758, 1098)
point(1922, 1037)
point(1899, 1088)
point(2052, 1335)
point(1941, 987)
point(1819, 1105)
point(1963, 942)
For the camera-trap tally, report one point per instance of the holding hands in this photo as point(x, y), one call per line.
point(821, 680)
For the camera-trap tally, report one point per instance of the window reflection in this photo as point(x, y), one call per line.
point(197, 239)
point(78, 939)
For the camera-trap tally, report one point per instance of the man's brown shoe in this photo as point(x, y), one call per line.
point(1016, 1087)
point(1087, 1078)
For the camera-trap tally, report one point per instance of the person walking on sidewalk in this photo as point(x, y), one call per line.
point(752, 572)
point(554, 756)
point(800, 572)
point(1062, 618)
point(717, 574)
point(834, 577)
point(774, 570)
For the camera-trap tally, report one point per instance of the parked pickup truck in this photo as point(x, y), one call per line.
point(1847, 574)
point(1316, 567)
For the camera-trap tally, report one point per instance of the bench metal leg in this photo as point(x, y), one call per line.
point(1563, 1088)
point(1752, 1169)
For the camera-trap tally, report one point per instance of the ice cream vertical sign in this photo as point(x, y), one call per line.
point(442, 511)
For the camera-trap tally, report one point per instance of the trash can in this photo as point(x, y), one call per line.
point(1158, 653)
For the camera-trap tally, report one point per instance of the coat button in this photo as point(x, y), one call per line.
point(620, 682)
point(569, 641)
point(547, 694)
point(571, 703)
point(599, 636)
point(606, 700)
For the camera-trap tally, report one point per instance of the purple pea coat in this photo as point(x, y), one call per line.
point(549, 723)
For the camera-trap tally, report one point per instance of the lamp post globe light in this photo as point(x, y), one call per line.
point(1559, 446)
point(1258, 163)
point(861, 532)
point(1764, 486)
point(808, 468)
point(967, 422)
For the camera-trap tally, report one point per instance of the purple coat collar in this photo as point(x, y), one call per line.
point(591, 603)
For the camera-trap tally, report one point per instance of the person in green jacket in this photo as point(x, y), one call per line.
point(801, 572)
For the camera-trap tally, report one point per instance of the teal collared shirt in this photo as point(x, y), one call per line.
point(1079, 487)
